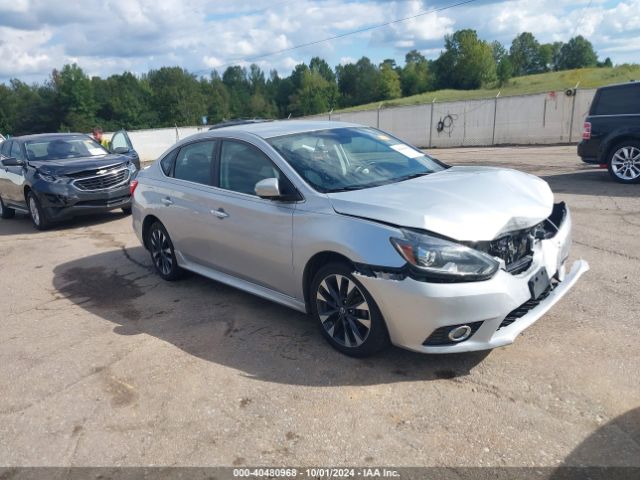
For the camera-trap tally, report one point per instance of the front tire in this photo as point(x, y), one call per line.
point(347, 314)
point(6, 212)
point(126, 210)
point(624, 162)
point(162, 253)
point(38, 216)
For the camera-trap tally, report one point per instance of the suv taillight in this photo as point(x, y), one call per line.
point(586, 131)
point(132, 186)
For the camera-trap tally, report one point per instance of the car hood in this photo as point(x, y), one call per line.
point(70, 166)
point(462, 203)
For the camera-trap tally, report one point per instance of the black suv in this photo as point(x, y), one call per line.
point(611, 135)
point(57, 176)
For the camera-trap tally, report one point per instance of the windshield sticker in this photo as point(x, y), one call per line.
point(407, 151)
point(96, 151)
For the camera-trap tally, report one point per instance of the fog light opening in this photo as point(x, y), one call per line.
point(460, 333)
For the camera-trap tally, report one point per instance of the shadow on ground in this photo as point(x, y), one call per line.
point(590, 182)
point(220, 324)
point(21, 223)
point(612, 452)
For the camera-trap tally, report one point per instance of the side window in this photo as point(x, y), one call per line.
point(619, 100)
point(167, 162)
point(118, 141)
point(5, 148)
point(16, 151)
point(194, 162)
point(242, 166)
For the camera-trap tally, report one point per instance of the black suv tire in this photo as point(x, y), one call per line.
point(38, 215)
point(632, 149)
point(6, 212)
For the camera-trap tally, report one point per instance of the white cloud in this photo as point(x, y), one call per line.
point(136, 35)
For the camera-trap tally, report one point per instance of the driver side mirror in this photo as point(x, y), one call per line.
point(12, 162)
point(121, 150)
point(268, 189)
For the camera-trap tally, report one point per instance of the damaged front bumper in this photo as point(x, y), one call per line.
point(419, 314)
point(63, 201)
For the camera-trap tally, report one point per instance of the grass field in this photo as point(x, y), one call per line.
point(543, 82)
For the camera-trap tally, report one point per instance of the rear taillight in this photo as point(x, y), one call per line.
point(132, 186)
point(586, 131)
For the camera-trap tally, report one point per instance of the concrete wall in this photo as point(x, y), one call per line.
point(539, 119)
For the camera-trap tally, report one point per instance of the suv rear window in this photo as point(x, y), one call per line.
point(623, 100)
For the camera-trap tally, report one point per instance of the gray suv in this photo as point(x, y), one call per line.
point(379, 242)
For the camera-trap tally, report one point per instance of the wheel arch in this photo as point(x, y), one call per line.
point(614, 142)
point(146, 225)
point(314, 264)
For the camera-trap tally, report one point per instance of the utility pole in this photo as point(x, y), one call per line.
point(495, 112)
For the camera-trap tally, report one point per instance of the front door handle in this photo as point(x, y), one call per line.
point(167, 201)
point(220, 213)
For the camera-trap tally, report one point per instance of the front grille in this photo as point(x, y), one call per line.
point(440, 336)
point(111, 179)
point(526, 307)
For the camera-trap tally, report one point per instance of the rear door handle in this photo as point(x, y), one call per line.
point(167, 201)
point(220, 213)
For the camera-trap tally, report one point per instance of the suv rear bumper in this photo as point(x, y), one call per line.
point(588, 152)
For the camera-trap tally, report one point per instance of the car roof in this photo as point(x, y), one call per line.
point(48, 136)
point(618, 85)
point(280, 127)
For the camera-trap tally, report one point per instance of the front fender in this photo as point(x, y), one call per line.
point(360, 240)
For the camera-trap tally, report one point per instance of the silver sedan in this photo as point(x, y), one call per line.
point(379, 242)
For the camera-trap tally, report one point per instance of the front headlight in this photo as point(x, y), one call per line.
point(443, 260)
point(51, 178)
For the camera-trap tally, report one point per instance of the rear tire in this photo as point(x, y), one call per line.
point(38, 216)
point(346, 312)
point(624, 162)
point(6, 212)
point(162, 253)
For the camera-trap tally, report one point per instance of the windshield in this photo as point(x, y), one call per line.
point(343, 159)
point(62, 148)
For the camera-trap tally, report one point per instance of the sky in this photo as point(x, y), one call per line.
point(113, 36)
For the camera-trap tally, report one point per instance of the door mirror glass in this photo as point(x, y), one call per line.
point(12, 162)
point(121, 150)
point(268, 188)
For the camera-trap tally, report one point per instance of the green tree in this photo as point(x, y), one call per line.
point(176, 96)
point(315, 94)
point(389, 86)
point(415, 76)
point(216, 97)
point(319, 65)
point(525, 55)
point(498, 51)
point(504, 70)
point(549, 53)
point(236, 81)
point(577, 53)
point(606, 64)
point(466, 63)
point(124, 102)
point(74, 98)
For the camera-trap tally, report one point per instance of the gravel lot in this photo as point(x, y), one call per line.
point(102, 363)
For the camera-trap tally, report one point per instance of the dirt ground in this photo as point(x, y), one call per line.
point(103, 363)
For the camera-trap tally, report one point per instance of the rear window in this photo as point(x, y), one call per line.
point(623, 100)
